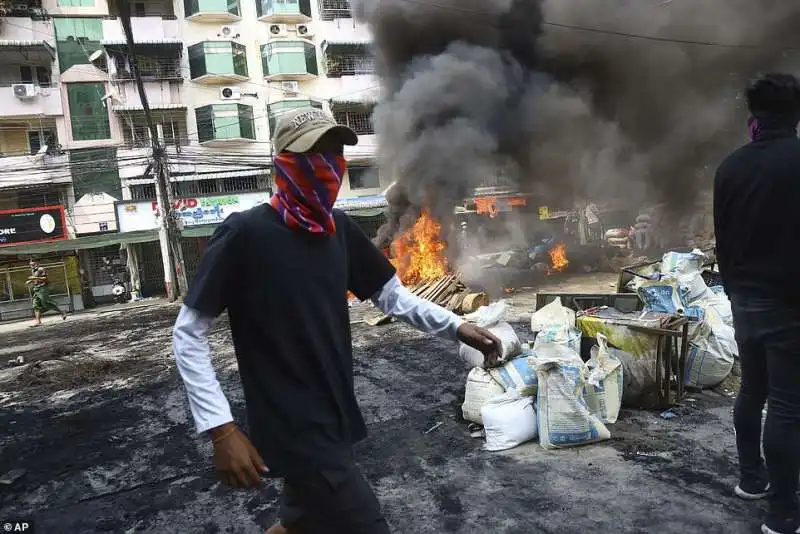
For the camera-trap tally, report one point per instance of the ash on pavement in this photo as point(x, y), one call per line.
point(97, 417)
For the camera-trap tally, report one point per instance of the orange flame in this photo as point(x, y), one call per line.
point(558, 257)
point(418, 253)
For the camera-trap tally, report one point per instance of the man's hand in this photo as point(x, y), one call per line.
point(238, 463)
point(483, 340)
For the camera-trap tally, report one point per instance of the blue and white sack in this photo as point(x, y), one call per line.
point(564, 417)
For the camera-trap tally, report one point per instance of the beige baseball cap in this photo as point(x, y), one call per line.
point(300, 129)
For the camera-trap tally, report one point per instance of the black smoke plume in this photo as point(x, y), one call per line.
point(572, 99)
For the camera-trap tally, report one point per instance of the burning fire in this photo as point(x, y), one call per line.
point(418, 252)
point(558, 257)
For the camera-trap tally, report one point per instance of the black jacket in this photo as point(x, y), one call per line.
point(756, 209)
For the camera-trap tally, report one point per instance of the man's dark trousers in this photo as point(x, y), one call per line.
point(332, 501)
point(768, 334)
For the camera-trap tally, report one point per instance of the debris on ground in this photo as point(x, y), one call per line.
point(12, 476)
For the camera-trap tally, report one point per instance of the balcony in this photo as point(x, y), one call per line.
point(218, 62)
point(21, 28)
point(29, 100)
point(220, 125)
point(146, 30)
point(334, 9)
point(348, 59)
point(156, 63)
point(213, 10)
point(160, 95)
point(289, 60)
point(284, 11)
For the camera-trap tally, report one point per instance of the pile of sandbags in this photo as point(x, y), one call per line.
point(546, 391)
point(680, 288)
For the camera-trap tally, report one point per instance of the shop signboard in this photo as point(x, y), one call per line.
point(32, 225)
point(195, 211)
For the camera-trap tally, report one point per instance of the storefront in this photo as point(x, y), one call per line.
point(198, 216)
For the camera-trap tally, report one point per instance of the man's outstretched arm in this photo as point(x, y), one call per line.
point(396, 300)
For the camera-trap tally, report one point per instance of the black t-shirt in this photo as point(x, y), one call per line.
point(756, 202)
point(286, 295)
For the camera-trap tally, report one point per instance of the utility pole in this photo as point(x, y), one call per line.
point(168, 233)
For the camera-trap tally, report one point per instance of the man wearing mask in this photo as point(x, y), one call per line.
point(282, 270)
point(756, 196)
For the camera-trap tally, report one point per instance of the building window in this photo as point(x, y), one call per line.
point(274, 111)
point(193, 7)
point(239, 184)
point(274, 8)
point(363, 178)
point(334, 9)
point(143, 192)
point(225, 121)
point(136, 132)
point(76, 39)
point(358, 119)
point(348, 60)
point(218, 58)
point(289, 58)
point(95, 170)
point(46, 137)
point(37, 198)
point(88, 114)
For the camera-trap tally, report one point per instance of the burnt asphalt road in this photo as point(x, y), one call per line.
point(102, 427)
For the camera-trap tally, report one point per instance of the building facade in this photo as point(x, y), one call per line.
point(217, 74)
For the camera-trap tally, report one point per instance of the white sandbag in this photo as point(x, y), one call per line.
point(553, 315)
point(491, 318)
point(486, 316)
point(712, 352)
point(604, 385)
point(480, 388)
point(511, 346)
point(567, 336)
point(508, 420)
point(519, 374)
point(564, 417)
point(676, 263)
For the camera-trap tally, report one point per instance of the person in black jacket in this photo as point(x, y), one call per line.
point(756, 198)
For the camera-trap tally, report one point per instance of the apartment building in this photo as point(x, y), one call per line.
point(217, 74)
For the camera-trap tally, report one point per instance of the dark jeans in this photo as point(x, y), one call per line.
point(333, 501)
point(768, 334)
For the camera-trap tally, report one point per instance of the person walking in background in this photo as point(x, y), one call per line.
point(42, 301)
point(756, 196)
point(282, 270)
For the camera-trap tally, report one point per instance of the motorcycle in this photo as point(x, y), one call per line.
point(120, 291)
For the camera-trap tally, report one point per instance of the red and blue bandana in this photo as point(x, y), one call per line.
point(307, 186)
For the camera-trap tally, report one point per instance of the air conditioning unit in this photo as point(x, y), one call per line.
point(305, 30)
point(290, 88)
point(24, 91)
point(278, 30)
point(230, 93)
point(228, 32)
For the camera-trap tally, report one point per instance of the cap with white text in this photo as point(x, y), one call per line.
point(299, 130)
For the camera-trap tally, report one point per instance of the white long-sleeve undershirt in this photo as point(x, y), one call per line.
point(207, 402)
